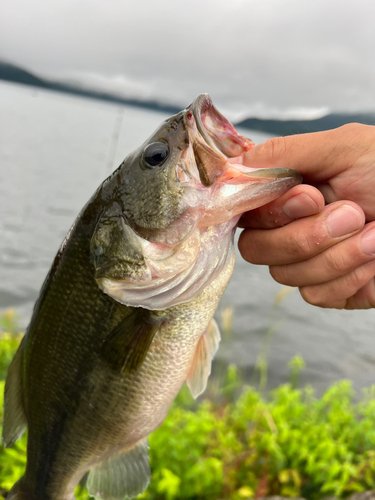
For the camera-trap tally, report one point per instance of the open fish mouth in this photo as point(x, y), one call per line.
point(218, 150)
point(216, 130)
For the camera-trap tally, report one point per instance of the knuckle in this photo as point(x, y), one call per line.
point(257, 218)
point(313, 295)
point(272, 148)
point(359, 276)
point(336, 261)
point(280, 274)
point(247, 247)
point(356, 140)
point(267, 217)
point(300, 246)
point(352, 128)
point(364, 133)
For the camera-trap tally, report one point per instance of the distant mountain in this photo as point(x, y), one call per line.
point(290, 127)
point(12, 73)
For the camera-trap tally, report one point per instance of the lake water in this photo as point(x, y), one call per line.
point(56, 149)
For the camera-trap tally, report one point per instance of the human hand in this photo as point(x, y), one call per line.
point(328, 252)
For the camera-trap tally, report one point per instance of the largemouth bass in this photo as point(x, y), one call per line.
point(125, 315)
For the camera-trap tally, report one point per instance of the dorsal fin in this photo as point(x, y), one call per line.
point(15, 421)
point(123, 475)
point(201, 366)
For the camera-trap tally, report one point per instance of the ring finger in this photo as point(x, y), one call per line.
point(335, 261)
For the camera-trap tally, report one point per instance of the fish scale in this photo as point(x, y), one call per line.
point(125, 315)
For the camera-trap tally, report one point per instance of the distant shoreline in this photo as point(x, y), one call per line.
point(12, 73)
point(291, 127)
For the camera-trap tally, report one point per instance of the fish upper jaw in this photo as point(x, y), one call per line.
point(218, 133)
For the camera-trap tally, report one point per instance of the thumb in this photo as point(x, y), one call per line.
point(318, 156)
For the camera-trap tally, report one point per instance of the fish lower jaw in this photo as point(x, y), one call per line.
point(233, 199)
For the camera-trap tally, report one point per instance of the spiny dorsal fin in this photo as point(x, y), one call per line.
point(15, 421)
point(126, 346)
point(201, 366)
point(123, 475)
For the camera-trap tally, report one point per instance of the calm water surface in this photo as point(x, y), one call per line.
point(54, 152)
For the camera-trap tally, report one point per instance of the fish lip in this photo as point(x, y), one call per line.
point(274, 173)
point(203, 101)
point(215, 129)
point(203, 107)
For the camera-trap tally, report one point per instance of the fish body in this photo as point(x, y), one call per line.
point(125, 315)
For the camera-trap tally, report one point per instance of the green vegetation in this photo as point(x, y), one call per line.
point(239, 444)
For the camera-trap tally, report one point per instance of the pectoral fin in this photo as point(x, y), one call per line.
point(123, 475)
point(201, 366)
point(126, 346)
point(15, 421)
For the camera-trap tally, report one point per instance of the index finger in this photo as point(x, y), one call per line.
point(300, 201)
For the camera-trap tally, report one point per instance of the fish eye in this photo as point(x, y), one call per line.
point(155, 154)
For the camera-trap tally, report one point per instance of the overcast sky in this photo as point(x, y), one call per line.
point(262, 57)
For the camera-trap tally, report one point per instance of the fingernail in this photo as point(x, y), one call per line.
point(344, 220)
point(368, 241)
point(299, 206)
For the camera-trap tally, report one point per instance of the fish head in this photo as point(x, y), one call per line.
point(173, 200)
point(189, 174)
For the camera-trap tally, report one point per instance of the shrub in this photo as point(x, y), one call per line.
point(290, 443)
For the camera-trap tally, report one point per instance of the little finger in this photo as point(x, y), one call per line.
point(337, 293)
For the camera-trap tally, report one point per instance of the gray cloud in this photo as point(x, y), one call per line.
point(252, 56)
